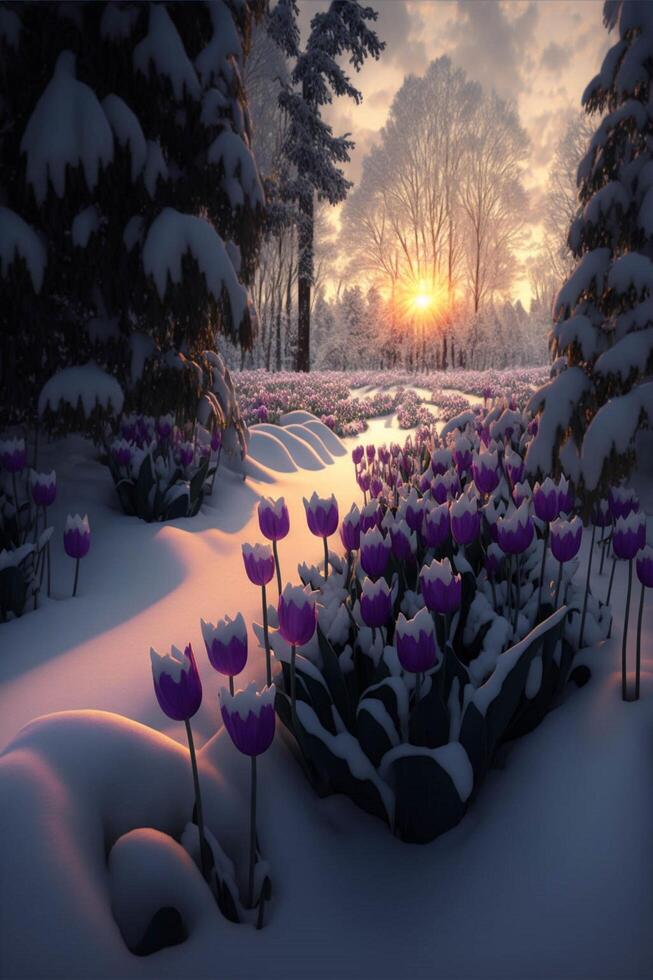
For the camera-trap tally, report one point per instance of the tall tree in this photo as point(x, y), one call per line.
point(313, 152)
point(131, 198)
point(592, 410)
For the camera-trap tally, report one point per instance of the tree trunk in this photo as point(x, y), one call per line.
point(305, 281)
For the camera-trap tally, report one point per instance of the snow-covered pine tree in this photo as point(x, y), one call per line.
point(313, 152)
point(130, 203)
point(603, 336)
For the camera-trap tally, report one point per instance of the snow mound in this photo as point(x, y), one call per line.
point(329, 438)
point(299, 450)
point(312, 439)
point(87, 384)
point(270, 452)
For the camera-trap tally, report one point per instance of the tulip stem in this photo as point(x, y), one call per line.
point(546, 542)
point(277, 566)
point(252, 834)
point(638, 660)
point(509, 587)
point(231, 685)
point(555, 602)
point(293, 699)
point(603, 549)
point(198, 802)
point(266, 637)
point(418, 684)
point(76, 577)
point(587, 589)
point(624, 640)
point(45, 524)
point(13, 483)
point(326, 559)
point(516, 623)
point(607, 598)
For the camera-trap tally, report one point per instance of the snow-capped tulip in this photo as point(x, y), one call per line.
point(415, 642)
point(350, 529)
point(404, 541)
point(623, 501)
point(545, 500)
point(514, 467)
point(521, 492)
point(465, 519)
point(441, 460)
point(226, 644)
point(77, 536)
point(297, 615)
point(273, 518)
point(44, 488)
point(121, 452)
point(13, 455)
point(370, 516)
point(485, 471)
point(629, 535)
point(435, 528)
point(442, 590)
point(364, 480)
point(493, 560)
point(376, 602)
point(566, 495)
point(374, 552)
point(164, 426)
point(515, 532)
point(321, 515)
point(259, 563)
point(249, 718)
point(601, 514)
point(376, 487)
point(186, 453)
point(644, 565)
point(414, 510)
point(177, 683)
point(463, 454)
point(566, 537)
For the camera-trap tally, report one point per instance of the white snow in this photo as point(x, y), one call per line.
point(164, 50)
point(615, 426)
point(156, 167)
point(127, 129)
point(239, 165)
point(592, 267)
point(18, 239)
point(68, 127)
point(85, 223)
point(248, 701)
point(214, 60)
point(85, 384)
point(170, 236)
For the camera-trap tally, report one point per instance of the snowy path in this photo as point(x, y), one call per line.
point(547, 876)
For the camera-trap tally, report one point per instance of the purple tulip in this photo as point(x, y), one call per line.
point(273, 518)
point(321, 515)
point(350, 529)
point(514, 467)
point(515, 532)
point(177, 683)
point(485, 472)
point(186, 453)
point(435, 528)
point(533, 427)
point(602, 515)
point(226, 645)
point(441, 460)
point(566, 496)
point(442, 590)
point(13, 455)
point(376, 487)
point(414, 510)
point(493, 560)
point(44, 488)
point(259, 563)
point(415, 641)
point(164, 426)
point(262, 413)
point(521, 492)
point(545, 500)
point(357, 455)
point(363, 480)
point(465, 519)
point(384, 455)
point(623, 501)
point(77, 536)
point(487, 394)
point(370, 516)
point(629, 535)
point(121, 452)
point(376, 602)
point(644, 565)
point(248, 717)
point(463, 454)
point(566, 538)
point(297, 615)
point(404, 541)
point(216, 439)
point(370, 452)
point(374, 552)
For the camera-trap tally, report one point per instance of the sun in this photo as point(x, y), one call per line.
point(422, 301)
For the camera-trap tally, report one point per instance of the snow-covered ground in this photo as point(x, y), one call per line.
point(547, 876)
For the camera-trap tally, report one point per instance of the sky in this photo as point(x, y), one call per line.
point(538, 53)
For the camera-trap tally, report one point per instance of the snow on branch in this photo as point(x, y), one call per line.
point(213, 61)
point(239, 166)
point(614, 427)
point(85, 384)
point(170, 236)
point(18, 239)
point(67, 127)
point(592, 268)
point(164, 50)
point(630, 355)
point(127, 129)
point(558, 400)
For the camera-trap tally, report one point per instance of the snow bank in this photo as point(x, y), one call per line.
point(85, 384)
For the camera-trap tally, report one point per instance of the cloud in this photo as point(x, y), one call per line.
point(555, 56)
point(491, 43)
point(400, 27)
